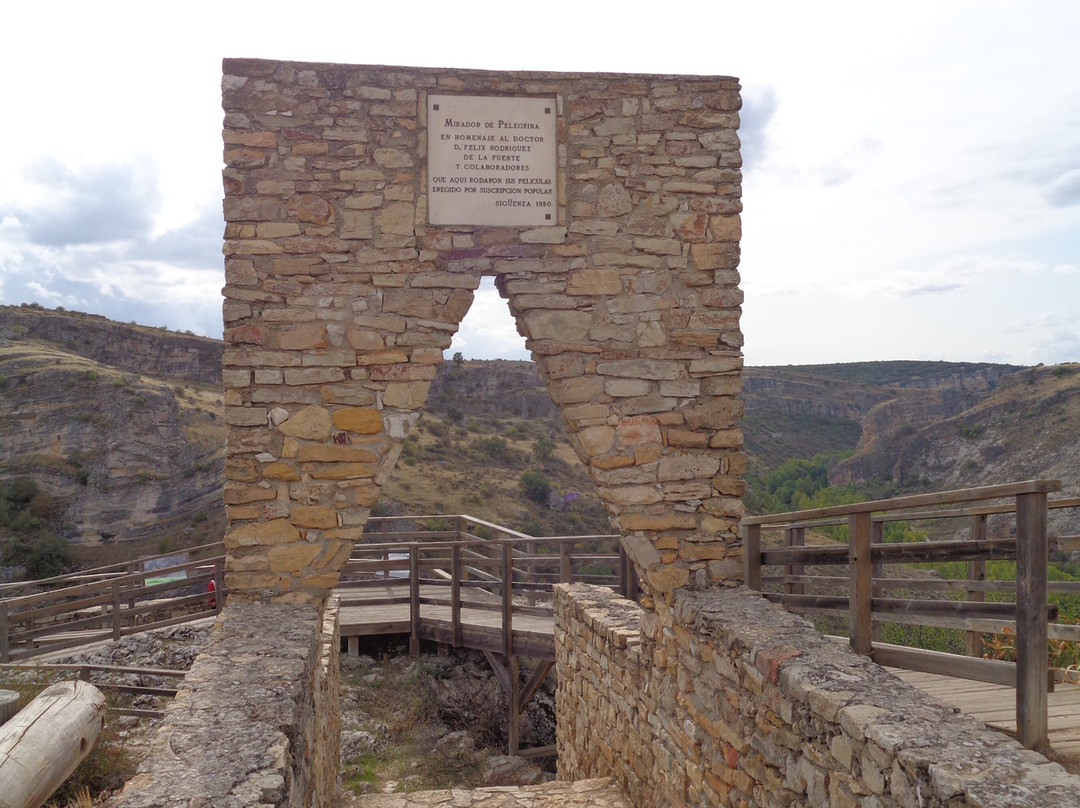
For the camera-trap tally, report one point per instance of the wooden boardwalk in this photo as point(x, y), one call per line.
point(385, 610)
point(995, 706)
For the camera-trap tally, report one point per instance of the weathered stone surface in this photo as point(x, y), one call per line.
point(292, 557)
point(362, 420)
point(322, 516)
point(310, 423)
point(273, 532)
point(721, 698)
point(256, 723)
point(569, 326)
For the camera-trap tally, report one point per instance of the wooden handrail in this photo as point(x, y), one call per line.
point(864, 554)
point(912, 501)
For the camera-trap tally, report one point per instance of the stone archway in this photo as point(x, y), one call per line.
point(341, 297)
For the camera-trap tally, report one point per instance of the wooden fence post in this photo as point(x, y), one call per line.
point(566, 563)
point(514, 730)
point(1031, 618)
point(877, 570)
point(794, 537)
point(508, 600)
point(117, 623)
point(414, 599)
point(455, 594)
point(752, 556)
point(976, 572)
point(5, 647)
point(861, 572)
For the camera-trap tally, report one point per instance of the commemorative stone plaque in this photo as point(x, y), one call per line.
point(491, 160)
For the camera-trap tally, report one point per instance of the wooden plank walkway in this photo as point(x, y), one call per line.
point(995, 706)
point(366, 612)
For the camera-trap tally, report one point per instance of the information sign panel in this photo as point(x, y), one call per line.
point(491, 160)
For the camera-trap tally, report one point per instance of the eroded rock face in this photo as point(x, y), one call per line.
point(131, 456)
point(150, 351)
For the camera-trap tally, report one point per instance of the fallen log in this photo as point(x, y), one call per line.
point(9, 705)
point(41, 746)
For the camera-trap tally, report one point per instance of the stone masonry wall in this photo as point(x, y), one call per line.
point(257, 723)
point(340, 298)
point(725, 699)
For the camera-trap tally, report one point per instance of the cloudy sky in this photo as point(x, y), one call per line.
point(912, 171)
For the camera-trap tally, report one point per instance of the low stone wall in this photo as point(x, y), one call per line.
point(725, 699)
point(257, 722)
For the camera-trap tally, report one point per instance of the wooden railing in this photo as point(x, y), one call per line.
point(860, 593)
point(462, 564)
point(83, 670)
point(13, 589)
point(109, 606)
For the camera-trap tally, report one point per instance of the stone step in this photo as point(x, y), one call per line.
point(602, 793)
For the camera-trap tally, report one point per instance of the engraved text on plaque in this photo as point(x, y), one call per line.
point(491, 160)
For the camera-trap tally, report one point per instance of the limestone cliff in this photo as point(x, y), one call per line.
point(131, 456)
point(153, 351)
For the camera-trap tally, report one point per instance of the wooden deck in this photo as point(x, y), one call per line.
point(370, 611)
point(995, 706)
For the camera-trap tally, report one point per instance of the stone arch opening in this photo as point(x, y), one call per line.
point(343, 290)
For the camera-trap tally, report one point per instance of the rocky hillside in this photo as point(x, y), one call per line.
point(155, 352)
point(132, 457)
point(121, 424)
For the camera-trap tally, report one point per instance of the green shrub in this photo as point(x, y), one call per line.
point(535, 486)
point(492, 447)
point(543, 447)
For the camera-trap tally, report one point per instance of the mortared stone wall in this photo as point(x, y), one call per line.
point(340, 299)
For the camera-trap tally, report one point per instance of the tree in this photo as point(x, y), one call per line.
point(458, 358)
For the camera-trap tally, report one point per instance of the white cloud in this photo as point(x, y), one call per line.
point(488, 330)
point(1065, 190)
point(923, 161)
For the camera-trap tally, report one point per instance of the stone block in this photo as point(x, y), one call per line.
point(335, 453)
point(292, 558)
point(406, 395)
point(564, 326)
point(310, 423)
point(313, 516)
point(272, 533)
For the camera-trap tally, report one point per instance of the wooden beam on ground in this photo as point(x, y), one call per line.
point(534, 752)
point(41, 746)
